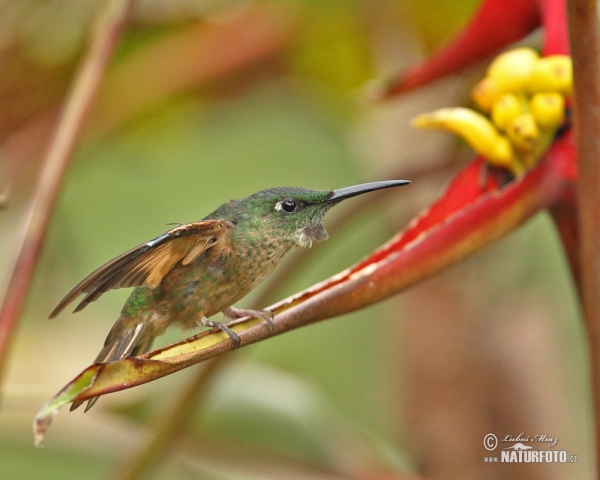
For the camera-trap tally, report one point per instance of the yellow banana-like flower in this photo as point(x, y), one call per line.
point(524, 133)
point(553, 73)
point(511, 70)
point(548, 109)
point(524, 96)
point(485, 93)
point(477, 131)
point(506, 109)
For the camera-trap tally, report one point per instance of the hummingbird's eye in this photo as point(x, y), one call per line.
point(288, 206)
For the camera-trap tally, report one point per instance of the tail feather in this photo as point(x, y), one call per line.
point(120, 346)
point(120, 343)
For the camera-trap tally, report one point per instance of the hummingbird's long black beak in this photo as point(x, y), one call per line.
point(343, 193)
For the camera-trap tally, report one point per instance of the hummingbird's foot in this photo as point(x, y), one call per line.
point(266, 315)
point(205, 322)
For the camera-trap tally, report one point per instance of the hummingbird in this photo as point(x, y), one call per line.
point(199, 269)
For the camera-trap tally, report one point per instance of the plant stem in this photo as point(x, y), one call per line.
point(35, 221)
point(583, 30)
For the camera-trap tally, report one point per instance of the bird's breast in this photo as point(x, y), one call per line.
point(211, 284)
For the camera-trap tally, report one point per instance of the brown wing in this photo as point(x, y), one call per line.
point(148, 263)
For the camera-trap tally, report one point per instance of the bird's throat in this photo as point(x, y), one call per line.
point(312, 233)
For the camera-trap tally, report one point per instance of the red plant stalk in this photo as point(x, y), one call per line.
point(70, 122)
point(583, 30)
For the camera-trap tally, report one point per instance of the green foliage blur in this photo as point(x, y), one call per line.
point(325, 399)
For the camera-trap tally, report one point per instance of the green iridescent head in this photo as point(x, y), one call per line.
point(291, 213)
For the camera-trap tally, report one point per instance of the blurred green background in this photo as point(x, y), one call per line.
point(207, 101)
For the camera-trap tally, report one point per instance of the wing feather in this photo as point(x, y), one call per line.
point(195, 252)
point(149, 263)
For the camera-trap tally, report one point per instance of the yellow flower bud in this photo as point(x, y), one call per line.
point(505, 110)
point(485, 93)
point(511, 70)
point(552, 74)
point(502, 155)
point(524, 133)
point(548, 110)
point(474, 128)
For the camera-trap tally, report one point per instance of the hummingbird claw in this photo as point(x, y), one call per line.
point(266, 315)
point(205, 322)
point(90, 404)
